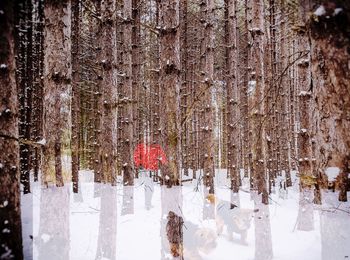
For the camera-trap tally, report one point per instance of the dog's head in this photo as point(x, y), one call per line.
point(243, 219)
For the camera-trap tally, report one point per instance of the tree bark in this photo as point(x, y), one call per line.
point(231, 94)
point(75, 106)
point(108, 91)
point(10, 213)
point(329, 65)
point(257, 31)
point(128, 107)
point(57, 76)
point(207, 71)
point(170, 87)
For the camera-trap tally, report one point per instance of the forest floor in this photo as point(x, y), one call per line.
point(129, 223)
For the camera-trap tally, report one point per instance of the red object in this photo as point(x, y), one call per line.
point(149, 156)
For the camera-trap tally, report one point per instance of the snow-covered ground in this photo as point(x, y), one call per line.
point(129, 223)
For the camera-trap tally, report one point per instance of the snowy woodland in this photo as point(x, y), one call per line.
point(174, 129)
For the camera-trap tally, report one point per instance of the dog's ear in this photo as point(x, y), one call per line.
point(232, 206)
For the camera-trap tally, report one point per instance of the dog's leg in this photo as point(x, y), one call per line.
point(244, 237)
point(219, 226)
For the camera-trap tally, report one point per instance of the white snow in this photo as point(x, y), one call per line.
point(320, 11)
point(332, 173)
point(337, 11)
point(251, 86)
point(4, 204)
point(45, 237)
point(304, 93)
point(42, 141)
point(128, 223)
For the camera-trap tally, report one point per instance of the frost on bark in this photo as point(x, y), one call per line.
point(207, 80)
point(38, 61)
point(108, 91)
point(305, 132)
point(257, 113)
point(330, 55)
point(11, 231)
point(24, 78)
point(127, 122)
point(231, 94)
point(75, 106)
point(98, 113)
point(184, 90)
point(137, 91)
point(57, 77)
point(169, 88)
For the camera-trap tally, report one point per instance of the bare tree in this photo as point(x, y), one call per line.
point(57, 77)
point(169, 87)
point(11, 235)
point(75, 107)
point(231, 93)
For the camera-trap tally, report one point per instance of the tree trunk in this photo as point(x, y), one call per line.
point(11, 235)
point(329, 65)
point(108, 91)
point(75, 106)
point(231, 94)
point(207, 71)
point(38, 61)
point(258, 85)
point(128, 111)
point(57, 76)
point(170, 87)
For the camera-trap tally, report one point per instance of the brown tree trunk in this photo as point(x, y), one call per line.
point(231, 94)
point(137, 95)
point(11, 234)
point(38, 61)
point(329, 65)
point(98, 169)
point(258, 132)
point(108, 84)
point(207, 71)
point(57, 76)
point(75, 106)
point(24, 75)
point(128, 111)
point(170, 87)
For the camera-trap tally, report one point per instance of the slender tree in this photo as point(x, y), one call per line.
point(75, 107)
point(108, 90)
point(231, 93)
point(57, 76)
point(257, 113)
point(128, 97)
point(169, 50)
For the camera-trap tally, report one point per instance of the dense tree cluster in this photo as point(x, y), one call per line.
point(260, 88)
